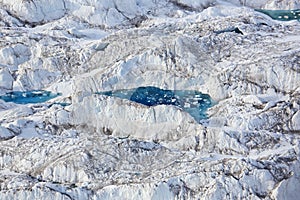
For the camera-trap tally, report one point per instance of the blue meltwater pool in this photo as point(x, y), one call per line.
point(35, 96)
point(282, 15)
point(191, 101)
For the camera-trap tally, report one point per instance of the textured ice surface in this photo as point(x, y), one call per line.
point(191, 101)
point(282, 15)
point(102, 147)
point(36, 96)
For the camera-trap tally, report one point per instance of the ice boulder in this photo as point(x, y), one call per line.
point(5, 133)
point(33, 12)
point(6, 80)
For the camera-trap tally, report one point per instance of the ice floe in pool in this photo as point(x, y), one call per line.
point(35, 96)
point(191, 101)
point(282, 15)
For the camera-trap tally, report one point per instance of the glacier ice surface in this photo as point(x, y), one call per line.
point(94, 146)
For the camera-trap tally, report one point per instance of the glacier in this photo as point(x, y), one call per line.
point(82, 141)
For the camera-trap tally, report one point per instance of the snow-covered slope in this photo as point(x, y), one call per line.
point(83, 145)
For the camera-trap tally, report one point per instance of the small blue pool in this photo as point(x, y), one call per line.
point(191, 101)
point(35, 96)
point(282, 15)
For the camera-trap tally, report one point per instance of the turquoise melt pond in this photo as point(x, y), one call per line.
point(191, 101)
point(35, 96)
point(282, 15)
